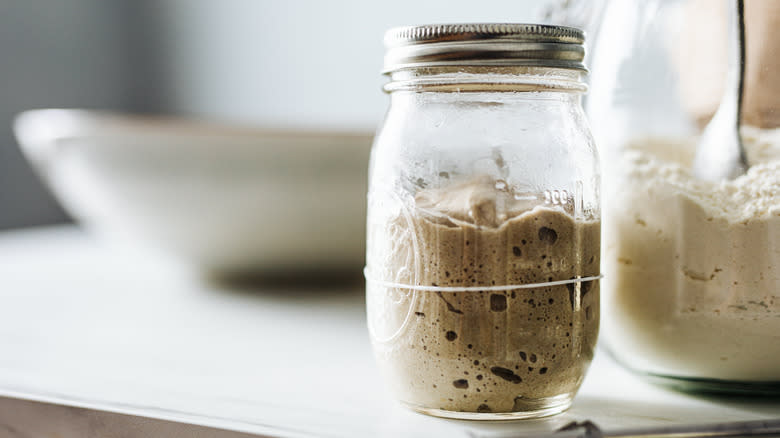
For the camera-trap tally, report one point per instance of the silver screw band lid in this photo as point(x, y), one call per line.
point(484, 44)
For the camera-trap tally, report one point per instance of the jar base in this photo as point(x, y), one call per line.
point(714, 386)
point(532, 408)
point(699, 385)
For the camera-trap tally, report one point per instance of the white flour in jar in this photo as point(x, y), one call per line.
point(692, 284)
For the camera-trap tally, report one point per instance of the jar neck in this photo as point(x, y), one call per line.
point(487, 79)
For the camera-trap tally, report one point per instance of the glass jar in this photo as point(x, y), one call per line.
point(692, 268)
point(484, 222)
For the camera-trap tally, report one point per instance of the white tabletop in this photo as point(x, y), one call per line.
point(84, 325)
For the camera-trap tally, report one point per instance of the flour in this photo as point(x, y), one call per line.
point(692, 284)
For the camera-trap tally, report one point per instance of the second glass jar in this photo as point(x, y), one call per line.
point(692, 266)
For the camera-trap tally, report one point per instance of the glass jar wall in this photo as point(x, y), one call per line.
point(692, 268)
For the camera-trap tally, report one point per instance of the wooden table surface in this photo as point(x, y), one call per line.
point(99, 342)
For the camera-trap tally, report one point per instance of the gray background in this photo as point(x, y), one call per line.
point(293, 63)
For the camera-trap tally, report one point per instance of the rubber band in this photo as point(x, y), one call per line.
point(477, 288)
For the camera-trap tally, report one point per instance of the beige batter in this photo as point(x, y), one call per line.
point(484, 351)
point(692, 284)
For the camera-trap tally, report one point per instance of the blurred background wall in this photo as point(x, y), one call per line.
point(292, 63)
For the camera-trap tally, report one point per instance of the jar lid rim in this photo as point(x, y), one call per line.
point(508, 44)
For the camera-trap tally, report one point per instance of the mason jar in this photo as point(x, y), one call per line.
point(482, 276)
point(692, 267)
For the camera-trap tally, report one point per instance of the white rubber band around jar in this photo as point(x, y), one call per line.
point(478, 288)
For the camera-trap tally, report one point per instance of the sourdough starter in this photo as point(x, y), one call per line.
point(494, 350)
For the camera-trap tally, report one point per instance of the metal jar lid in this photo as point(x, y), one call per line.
point(484, 44)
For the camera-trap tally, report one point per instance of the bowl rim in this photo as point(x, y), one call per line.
point(47, 125)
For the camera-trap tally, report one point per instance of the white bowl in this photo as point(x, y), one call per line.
point(228, 200)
